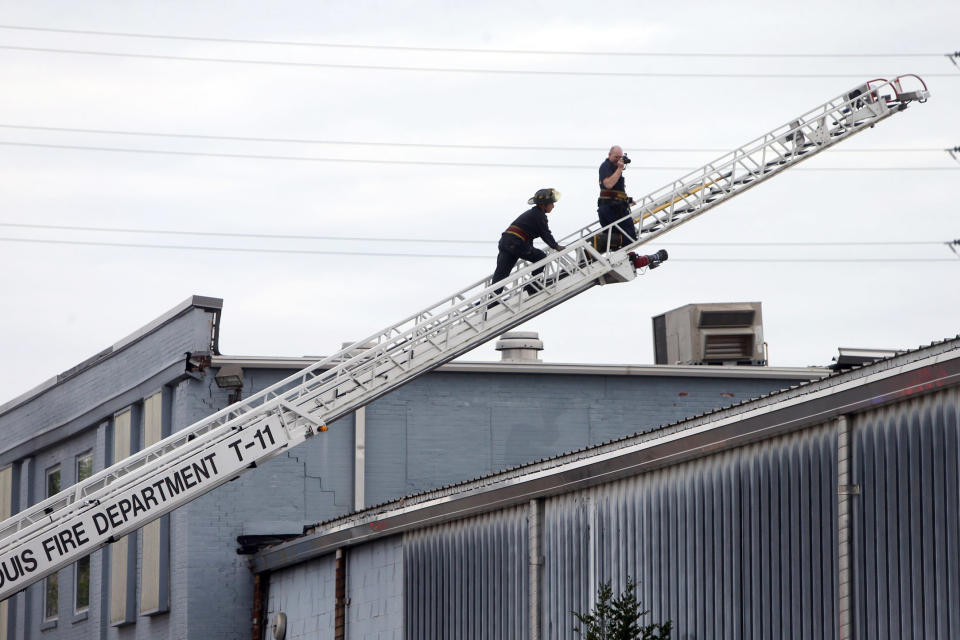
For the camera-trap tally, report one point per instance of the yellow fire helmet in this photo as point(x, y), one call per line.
point(544, 196)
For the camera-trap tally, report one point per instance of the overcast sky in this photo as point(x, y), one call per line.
point(61, 303)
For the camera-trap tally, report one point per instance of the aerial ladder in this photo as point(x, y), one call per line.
point(50, 535)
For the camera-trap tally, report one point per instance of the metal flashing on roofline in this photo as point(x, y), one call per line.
point(202, 302)
point(904, 376)
point(560, 368)
point(848, 357)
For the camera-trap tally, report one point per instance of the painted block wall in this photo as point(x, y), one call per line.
point(73, 416)
point(306, 595)
point(375, 591)
point(449, 427)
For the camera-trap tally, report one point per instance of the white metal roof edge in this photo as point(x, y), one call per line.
point(562, 368)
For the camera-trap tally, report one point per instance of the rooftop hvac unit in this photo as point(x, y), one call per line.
point(714, 333)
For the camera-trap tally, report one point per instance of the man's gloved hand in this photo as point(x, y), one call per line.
point(560, 247)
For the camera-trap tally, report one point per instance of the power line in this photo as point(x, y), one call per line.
point(434, 163)
point(300, 236)
point(130, 245)
point(230, 234)
point(422, 145)
point(519, 72)
point(311, 159)
point(380, 47)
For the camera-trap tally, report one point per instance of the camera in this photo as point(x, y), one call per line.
point(626, 159)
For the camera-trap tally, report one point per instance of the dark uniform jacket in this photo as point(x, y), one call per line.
point(533, 224)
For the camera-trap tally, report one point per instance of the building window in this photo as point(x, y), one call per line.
point(53, 481)
point(81, 587)
point(51, 597)
point(51, 587)
point(84, 466)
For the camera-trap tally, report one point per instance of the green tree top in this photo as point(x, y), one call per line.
point(618, 618)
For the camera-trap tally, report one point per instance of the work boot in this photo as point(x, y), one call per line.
point(653, 261)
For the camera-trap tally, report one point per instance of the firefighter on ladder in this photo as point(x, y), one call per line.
point(614, 204)
point(516, 242)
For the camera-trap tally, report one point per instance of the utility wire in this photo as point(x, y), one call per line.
point(380, 47)
point(310, 159)
point(519, 72)
point(434, 163)
point(421, 145)
point(229, 234)
point(131, 245)
point(277, 236)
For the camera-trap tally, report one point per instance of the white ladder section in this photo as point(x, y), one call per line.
point(120, 499)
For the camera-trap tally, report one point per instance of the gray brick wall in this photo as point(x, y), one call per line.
point(449, 427)
point(375, 591)
point(311, 482)
point(306, 594)
point(73, 416)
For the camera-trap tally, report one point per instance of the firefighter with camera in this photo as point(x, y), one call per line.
point(613, 205)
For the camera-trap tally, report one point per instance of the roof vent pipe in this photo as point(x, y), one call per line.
point(519, 346)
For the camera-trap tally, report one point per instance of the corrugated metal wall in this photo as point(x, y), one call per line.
point(468, 579)
point(568, 576)
point(737, 545)
point(906, 536)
